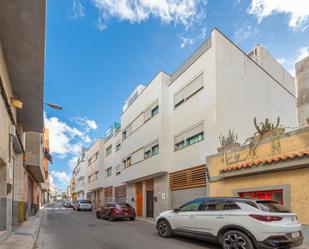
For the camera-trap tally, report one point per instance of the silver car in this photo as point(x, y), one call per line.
point(82, 205)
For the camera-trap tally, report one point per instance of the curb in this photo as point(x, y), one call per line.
point(151, 221)
point(38, 227)
point(23, 239)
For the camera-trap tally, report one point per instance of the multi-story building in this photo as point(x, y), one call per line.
point(45, 187)
point(79, 176)
point(176, 120)
point(95, 171)
point(156, 160)
point(114, 188)
point(22, 54)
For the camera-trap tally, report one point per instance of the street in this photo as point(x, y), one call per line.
point(65, 228)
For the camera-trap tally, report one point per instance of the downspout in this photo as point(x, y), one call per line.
point(207, 177)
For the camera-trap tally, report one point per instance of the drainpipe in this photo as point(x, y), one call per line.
point(207, 177)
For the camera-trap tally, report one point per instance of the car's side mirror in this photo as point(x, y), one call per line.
point(176, 210)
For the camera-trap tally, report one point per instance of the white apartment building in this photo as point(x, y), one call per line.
point(94, 170)
point(79, 176)
point(156, 160)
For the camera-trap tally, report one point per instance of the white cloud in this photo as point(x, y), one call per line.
point(92, 124)
point(289, 63)
point(188, 40)
point(298, 10)
point(78, 10)
point(185, 41)
point(68, 140)
point(184, 12)
point(86, 123)
point(61, 176)
point(243, 33)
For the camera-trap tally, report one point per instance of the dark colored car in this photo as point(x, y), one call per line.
point(112, 211)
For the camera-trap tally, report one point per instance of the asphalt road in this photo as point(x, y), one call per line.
point(68, 229)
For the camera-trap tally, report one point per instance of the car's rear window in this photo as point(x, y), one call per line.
point(85, 201)
point(272, 206)
point(123, 205)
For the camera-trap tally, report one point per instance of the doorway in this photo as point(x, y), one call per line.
point(139, 198)
point(150, 203)
point(149, 198)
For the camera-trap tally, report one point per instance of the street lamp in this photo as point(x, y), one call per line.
point(55, 106)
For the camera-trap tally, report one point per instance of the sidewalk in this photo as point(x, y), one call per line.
point(25, 235)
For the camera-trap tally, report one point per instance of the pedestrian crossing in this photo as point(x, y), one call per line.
point(56, 208)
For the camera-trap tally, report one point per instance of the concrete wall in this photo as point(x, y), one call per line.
point(273, 67)
point(302, 81)
point(162, 194)
point(296, 179)
point(146, 132)
point(245, 91)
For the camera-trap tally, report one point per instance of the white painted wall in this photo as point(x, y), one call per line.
point(97, 165)
point(147, 132)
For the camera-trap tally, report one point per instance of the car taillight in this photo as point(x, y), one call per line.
point(266, 218)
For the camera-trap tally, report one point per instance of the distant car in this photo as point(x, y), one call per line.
point(67, 204)
point(234, 223)
point(112, 211)
point(71, 205)
point(82, 205)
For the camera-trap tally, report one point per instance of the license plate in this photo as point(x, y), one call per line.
point(295, 235)
point(126, 214)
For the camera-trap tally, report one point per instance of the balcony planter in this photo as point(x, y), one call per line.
point(229, 148)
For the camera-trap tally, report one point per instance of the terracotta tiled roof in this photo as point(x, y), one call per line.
point(267, 160)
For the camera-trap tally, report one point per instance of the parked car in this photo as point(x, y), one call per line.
point(112, 211)
point(233, 223)
point(67, 204)
point(82, 205)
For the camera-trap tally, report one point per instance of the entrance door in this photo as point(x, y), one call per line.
point(149, 203)
point(139, 198)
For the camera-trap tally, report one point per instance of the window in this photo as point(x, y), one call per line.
point(124, 135)
point(191, 206)
point(108, 150)
point(127, 162)
point(275, 195)
point(155, 150)
point(93, 158)
point(196, 138)
point(189, 90)
point(118, 170)
point(118, 146)
point(109, 171)
point(93, 177)
point(155, 111)
point(214, 205)
point(189, 137)
point(272, 206)
point(151, 111)
point(151, 149)
point(180, 145)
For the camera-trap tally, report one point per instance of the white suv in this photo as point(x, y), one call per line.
point(234, 223)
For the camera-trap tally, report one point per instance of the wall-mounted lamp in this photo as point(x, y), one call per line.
point(16, 103)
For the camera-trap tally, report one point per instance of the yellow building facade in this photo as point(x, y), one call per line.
point(273, 167)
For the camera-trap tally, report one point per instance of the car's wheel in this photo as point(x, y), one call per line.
point(164, 229)
point(132, 218)
point(110, 218)
point(236, 240)
point(98, 215)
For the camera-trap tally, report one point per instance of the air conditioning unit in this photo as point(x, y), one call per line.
point(12, 130)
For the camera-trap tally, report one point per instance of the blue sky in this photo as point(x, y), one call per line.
point(98, 51)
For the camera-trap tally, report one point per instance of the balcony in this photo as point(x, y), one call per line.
point(34, 155)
